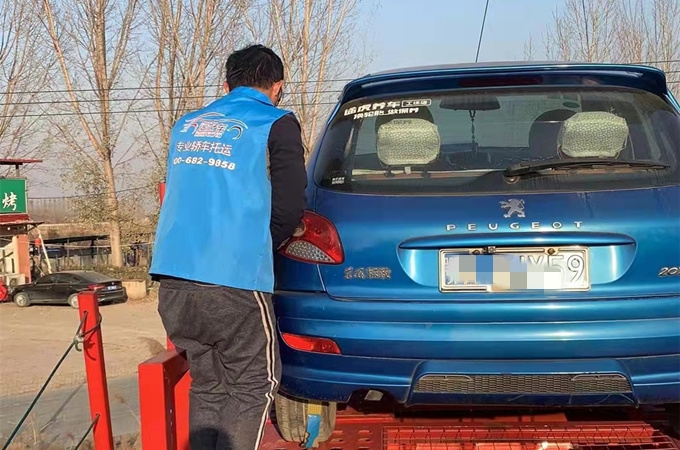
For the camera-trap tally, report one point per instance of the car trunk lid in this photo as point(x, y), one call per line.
point(394, 244)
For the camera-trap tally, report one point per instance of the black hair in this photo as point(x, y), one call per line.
point(254, 66)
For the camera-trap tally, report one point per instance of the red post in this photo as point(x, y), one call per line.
point(182, 411)
point(163, 416)
point(95, 370)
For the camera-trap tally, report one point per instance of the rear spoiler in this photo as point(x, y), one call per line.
point(570, 74)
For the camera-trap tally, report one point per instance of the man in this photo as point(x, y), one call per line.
point(235, 191)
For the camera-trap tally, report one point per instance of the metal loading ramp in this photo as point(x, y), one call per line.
point(164, 384)
point(356, 431)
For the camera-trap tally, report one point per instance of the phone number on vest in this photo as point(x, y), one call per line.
point(197, 160)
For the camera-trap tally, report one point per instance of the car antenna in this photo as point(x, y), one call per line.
point(481, 32)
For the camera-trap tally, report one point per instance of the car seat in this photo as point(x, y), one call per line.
point(405, 142)
point(423, 113)
point(544, 131)
point(593, 134)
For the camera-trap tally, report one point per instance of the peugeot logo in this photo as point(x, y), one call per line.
point(514, 206)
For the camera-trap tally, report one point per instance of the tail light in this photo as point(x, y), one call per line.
point(95, 287)
point(311, 344)
point(315, 241)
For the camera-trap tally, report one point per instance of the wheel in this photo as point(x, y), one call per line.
point(291, 419)
point(73, 301)
point(22, 300)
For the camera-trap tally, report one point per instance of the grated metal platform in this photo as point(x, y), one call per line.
point(356, 431)
point(164, 411)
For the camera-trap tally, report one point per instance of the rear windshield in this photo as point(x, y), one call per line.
point(96, 277)
point(459, 142)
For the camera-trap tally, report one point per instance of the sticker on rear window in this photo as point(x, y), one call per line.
point(391, 108)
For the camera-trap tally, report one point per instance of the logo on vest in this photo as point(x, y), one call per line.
point(213, 125)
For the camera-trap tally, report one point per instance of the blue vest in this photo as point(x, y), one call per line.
point(214, 222)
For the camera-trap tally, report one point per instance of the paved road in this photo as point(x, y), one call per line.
point(63, 415)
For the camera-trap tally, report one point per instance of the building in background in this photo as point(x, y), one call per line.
point(15, 224)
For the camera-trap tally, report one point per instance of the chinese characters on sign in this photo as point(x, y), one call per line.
point(12, 195)
point(217, 148)
point(9, 201)
point(386, 108)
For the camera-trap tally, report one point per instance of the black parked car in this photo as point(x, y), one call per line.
point(63, 287)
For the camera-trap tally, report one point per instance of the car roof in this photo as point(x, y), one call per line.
point(79, 272)
point(494, 66)
point(478, 65)
point(654, 78)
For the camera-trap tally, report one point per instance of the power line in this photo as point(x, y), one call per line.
point(198, 86)
point(481, 32)
point(140, 88)
point(156, 110)
point(138, 111)
point(666, 61)
point(335, 80)
point(121, 191)
point(142, 99)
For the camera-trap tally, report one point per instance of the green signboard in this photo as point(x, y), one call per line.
point(12, 196)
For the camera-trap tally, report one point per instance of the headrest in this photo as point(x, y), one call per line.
point(408, 142)
point(422, 113)
point(595, 134)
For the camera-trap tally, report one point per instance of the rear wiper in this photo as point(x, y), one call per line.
point(526, 168)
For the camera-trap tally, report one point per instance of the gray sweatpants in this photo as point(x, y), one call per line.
point(230, 340)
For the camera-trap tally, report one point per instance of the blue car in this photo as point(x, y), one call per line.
point(504, 234)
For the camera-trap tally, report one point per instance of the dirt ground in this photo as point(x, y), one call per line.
point(33, 339)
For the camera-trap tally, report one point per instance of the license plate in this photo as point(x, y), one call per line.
point(515, 269)
point(111, 288)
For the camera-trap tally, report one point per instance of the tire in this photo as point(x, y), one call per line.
point(22, 300)
point(73, 301)
point(291, 419)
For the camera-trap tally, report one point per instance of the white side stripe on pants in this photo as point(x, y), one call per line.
point(270, 335)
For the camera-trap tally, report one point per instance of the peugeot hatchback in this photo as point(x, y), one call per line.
point(487, 235)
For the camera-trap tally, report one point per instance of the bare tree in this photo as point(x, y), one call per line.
point(663, 49)
point(317, 41)
point(583, 30)
point(529, 50)
point(24, 71)
point(190, 39)
point(626, 31)
point(92, 44)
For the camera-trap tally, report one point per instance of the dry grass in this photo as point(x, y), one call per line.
point(153, 346)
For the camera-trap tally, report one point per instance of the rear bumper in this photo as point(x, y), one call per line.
point(391, 356)
point(113, 297)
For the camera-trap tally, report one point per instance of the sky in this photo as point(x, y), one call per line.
point(423, 32)
point(407, 33)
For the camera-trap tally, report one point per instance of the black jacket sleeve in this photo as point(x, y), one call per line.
point(288, 178)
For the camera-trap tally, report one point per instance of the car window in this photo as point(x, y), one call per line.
point(451, 141)
point(64, 278)
point(47, 279)
point(96, 277)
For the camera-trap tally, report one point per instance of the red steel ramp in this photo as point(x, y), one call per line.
point(164, 383)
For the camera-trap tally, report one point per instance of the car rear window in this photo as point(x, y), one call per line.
point(96, 277)
point(460, 141)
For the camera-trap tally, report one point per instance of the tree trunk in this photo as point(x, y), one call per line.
point(114, 214)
